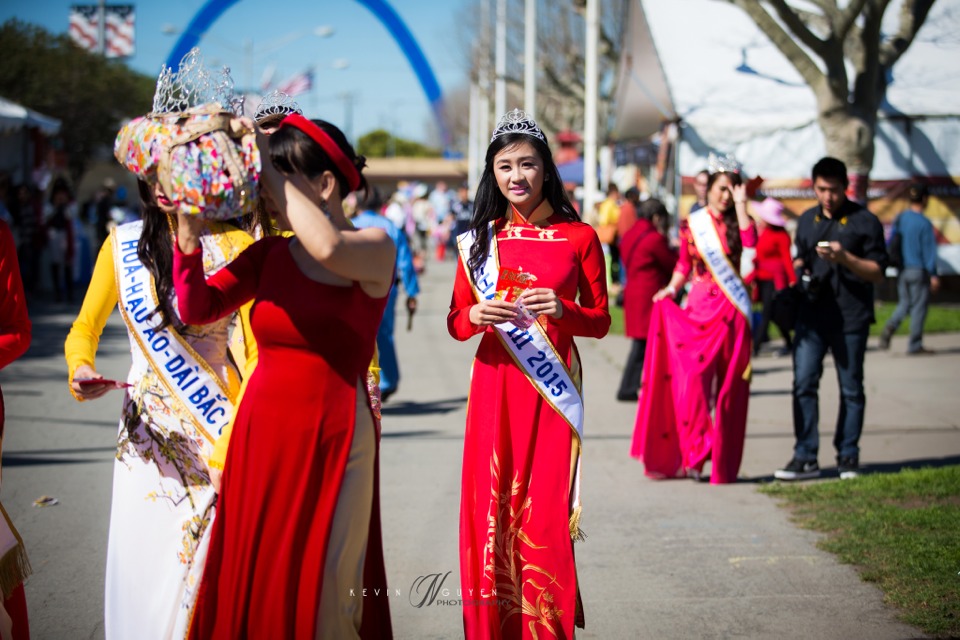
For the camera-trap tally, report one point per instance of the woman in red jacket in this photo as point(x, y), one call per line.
point(773, 268)
point(648, 262)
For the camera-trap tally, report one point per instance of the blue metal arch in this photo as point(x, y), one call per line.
point(208, 14)
point(213, 9)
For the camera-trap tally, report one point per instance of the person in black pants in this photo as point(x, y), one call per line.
point(840, 255)
point(648, 262)
point(773, 270)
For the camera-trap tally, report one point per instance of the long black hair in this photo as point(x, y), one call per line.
point(293, 151)
point(734, 245)
point(155, 250)
point(490, 203)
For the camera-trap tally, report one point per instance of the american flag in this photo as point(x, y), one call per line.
point(119, 28)
point(300, 83)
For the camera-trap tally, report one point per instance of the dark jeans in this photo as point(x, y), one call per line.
point(767, 292)
point(913, 291)
point(630, 382)
point(810, 347)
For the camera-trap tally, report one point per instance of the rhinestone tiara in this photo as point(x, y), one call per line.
point(517, 121)
point(276, 103)
point(192, 85)
point(727, 163)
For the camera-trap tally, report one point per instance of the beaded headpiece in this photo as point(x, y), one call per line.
point(727, 163)
point(193, 85)
point(517, 121)
point(276, 103)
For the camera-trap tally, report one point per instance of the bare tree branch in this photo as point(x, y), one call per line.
point(797, 26)
point(806, 67)
point(913, 13)
point(561, 82)
point(829, 8)
point(815, 21)
point(847, 18)
point(868, 86)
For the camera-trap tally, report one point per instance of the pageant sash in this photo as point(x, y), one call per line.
point(530, 348)
point(711, 250)
point(189, 379)
point(537, 357)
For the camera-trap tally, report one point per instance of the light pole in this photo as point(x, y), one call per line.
point(348, 98)
point(248, 51)
point(591, 87)
point(530, 59)
point(500, 91)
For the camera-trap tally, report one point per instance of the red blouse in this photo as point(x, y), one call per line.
point(567, 258)
point(773, 261)
point(690, 260)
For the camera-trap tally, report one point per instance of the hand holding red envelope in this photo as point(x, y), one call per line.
point(511, 283)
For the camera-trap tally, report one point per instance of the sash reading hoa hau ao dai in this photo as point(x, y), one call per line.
point(711, 250)
point(536, 356)
point(163, 504)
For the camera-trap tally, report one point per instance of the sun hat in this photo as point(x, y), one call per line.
point(771, 212)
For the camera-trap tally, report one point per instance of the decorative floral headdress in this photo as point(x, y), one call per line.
point(193, 143)
point(517, 121)
point(276, 103)
point(727, 163)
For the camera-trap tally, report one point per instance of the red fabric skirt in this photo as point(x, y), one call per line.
point(695, 364)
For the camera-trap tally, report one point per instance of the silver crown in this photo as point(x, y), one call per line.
point(727, 163)
point(192, 85)
point(276, 103)
point(517, 121)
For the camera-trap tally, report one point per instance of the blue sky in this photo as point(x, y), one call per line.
point(385, 92)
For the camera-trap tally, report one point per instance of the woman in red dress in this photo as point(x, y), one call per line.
point(15, 332)
point(648, 263)
point(696, 372)
point(773, 268)
point(296, 538)
point(526, 256)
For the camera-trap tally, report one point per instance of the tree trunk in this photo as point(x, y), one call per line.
point(848, 137)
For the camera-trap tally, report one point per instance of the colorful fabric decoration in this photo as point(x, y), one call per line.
point(205, 159)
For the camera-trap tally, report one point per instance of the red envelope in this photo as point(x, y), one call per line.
point(511, 283)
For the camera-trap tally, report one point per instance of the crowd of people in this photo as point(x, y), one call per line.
point(293, 300)
point(246, 483)
point(689, 367)
point(55, 235)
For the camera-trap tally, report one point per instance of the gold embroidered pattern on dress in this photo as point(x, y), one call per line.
point(515, 232)
point(504, 561)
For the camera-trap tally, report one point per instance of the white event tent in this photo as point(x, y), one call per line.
point(17, 124)
point(706, 64)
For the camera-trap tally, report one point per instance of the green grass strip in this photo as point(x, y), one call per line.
point(940, 319)
point(901, 531)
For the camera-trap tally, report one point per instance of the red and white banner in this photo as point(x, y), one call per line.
point(118, 28)
point(300, 83)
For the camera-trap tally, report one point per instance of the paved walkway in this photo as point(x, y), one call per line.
point(674, 559)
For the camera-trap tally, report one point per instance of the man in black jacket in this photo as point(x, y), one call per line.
point(840, 255)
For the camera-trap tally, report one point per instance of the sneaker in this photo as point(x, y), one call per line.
point(921, 352)
point(798, 470)
point(849, 468)
point(885, 337)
